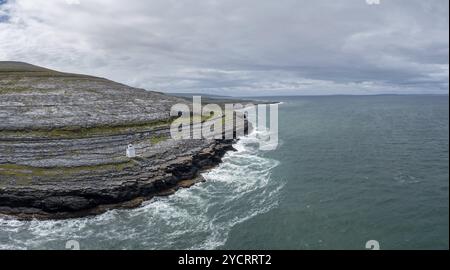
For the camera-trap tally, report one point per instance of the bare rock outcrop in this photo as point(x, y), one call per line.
point(63, 138)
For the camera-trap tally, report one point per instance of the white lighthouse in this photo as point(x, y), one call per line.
point(131, 151)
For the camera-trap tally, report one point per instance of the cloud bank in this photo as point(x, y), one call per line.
point(238, 47)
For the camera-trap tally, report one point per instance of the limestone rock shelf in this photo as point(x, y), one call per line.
point(63, 139)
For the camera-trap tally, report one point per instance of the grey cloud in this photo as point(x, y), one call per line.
point(239, 47)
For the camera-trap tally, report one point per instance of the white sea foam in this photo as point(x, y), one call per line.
point(200, 217)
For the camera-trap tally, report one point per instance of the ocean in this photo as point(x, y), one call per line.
point(348, 169)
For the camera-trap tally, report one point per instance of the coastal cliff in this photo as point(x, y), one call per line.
point(63, 139)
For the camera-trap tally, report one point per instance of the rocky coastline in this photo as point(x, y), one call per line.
point(63, 139)
point(128, 188)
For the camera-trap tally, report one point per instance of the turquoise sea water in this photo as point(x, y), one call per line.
point(356, 169)
point(348, 169)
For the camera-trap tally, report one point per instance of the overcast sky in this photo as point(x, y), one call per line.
point(238, 47)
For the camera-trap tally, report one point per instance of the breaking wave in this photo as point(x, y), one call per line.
point(200, 217)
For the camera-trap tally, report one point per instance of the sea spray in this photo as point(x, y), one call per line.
point(200, 217)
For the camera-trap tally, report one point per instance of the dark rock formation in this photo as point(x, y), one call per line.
point(63, 139)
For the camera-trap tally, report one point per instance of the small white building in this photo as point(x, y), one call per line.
point(131, 151)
